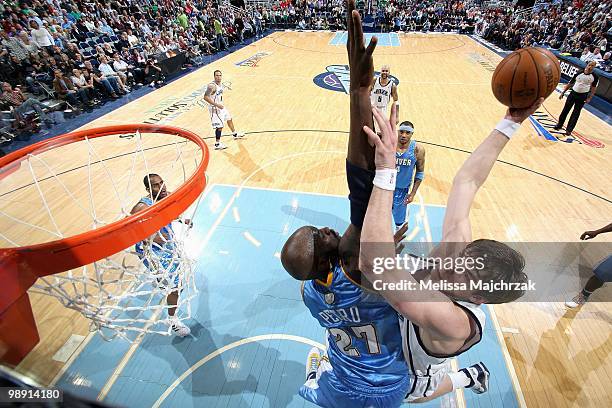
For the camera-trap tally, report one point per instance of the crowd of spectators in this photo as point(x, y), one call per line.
point(88, 52)
point(579, 28)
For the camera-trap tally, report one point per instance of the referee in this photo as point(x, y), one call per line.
point(583, 86)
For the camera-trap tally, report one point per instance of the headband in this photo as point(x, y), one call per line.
point(406, 128)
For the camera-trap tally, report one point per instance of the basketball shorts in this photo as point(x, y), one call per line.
point(424, 386)
point(326, 390)
point(161, 261)
point(604, 270)
point(218, 116)
point(399, 208)
point(360, 188)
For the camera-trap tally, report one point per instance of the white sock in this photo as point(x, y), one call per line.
point(459, 380)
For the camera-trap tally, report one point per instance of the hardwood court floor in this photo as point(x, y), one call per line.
point(544, 191)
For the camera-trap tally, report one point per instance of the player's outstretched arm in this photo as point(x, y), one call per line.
point(592, 234)
point(432, 310)
point(475, 171)
point(361, 65)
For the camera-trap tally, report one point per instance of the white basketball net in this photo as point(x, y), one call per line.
point(123, 295)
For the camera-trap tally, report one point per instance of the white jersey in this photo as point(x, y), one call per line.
point(217, 96)
point(218, 116)
point(381, 95)
point(428, 370)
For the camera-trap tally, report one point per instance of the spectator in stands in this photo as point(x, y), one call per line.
point(132, 39)
point(108, 72)
point(109, 51)
point(22, 104)
point(204, 42)
point(220, 40)
point(587, 55)
point(13, 46)
point(30, 46)
point(153, 74)
point(110, 84)
point(597, 57)
point(40, 36)
point(606, 63)
point(65, 89)
point(123, 43)
point(83, 82)
point(121, 68)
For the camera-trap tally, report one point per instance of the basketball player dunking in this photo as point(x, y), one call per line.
point(218, 112)
point(439, 324)
point(160, 249)
point(409, 155)
point(382, 90)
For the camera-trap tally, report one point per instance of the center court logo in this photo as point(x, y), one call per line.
point(336, 78)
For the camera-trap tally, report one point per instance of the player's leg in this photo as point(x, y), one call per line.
point(178, 327)
point(217, 120)
point(399, 206)
point(319, 387)
point(475, 377)
point(312, 363)
point(573, 120)
point(218, 144)
point(227, 117)
point(601, 274)
point(569, 102)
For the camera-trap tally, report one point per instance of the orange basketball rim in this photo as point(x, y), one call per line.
point(20, 267)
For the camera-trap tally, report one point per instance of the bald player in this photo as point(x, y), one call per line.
point(384, 89)
point(364, 364)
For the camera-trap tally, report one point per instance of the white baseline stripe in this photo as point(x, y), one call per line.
point(230, 346)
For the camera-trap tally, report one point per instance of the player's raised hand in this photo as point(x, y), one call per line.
point(360, 59)
point(386, 143)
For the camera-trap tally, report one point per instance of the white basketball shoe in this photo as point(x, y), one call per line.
point(179, 328)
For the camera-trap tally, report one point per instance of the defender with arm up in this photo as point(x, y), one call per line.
point(364, 365)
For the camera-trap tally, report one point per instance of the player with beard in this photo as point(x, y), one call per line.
point(158, 252)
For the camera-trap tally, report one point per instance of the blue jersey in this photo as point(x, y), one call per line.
point(364, 342)
point(163, 255)
point(166, 231)
point(405, 164)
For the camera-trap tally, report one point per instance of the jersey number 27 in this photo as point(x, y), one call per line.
point(344, 339)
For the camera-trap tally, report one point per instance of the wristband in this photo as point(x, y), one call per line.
point(507, 127)
point(385, 179)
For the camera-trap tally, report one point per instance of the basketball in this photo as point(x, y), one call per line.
point(524, 76)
